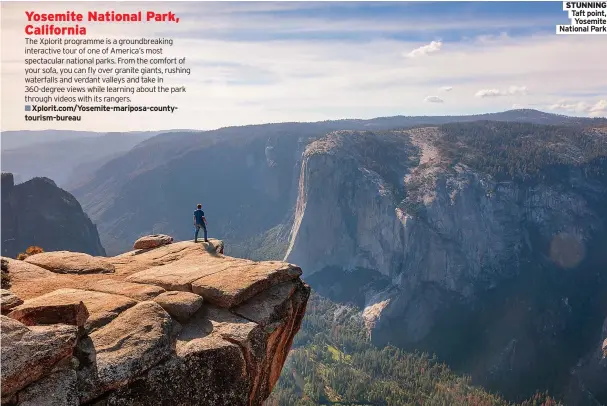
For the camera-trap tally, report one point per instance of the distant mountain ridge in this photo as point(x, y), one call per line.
point(518, 115)
point(279, 146)
point(71, 157)
point(25, 138)
point(66, 161)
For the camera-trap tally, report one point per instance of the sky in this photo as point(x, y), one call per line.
point(286, 61)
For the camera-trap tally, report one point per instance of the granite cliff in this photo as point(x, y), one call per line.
point(180, 323)
point(37, 212)
point(477, 242)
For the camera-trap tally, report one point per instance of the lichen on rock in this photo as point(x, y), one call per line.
point(9, 300)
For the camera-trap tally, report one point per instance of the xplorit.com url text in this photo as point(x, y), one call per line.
point(102, 108)
point(79, 108)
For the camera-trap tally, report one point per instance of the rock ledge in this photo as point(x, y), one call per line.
point(177, 324)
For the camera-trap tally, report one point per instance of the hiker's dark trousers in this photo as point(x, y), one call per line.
point(198, 227)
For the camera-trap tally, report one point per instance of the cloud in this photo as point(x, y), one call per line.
point(597, 109)
point(431, 48)
point(511, 91)
point(446, 88)
point(488, 93)
point(433, 99)
point(572, 107)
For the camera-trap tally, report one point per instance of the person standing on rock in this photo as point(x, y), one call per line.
point(200, 221)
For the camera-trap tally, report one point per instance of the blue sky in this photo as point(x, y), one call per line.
point(536, 17)
point(259, 62)
point(322, 21)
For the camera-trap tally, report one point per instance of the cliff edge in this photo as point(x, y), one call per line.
point(178, 324)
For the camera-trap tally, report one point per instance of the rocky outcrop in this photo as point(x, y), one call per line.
point(29, 353)
point(135, 291)
point(152, 241)
point(24, 271)
point(74, 314)
point(38, 213)
point(101, 307)
point(181, 305)
point(125, 348)
point(70, 262)
point(177, 324)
